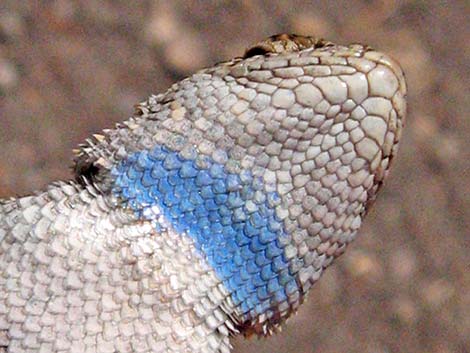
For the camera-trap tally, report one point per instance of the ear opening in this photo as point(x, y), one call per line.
point(86, 172)
point(90, 166)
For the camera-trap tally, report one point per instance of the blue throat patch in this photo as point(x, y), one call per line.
point(230, 217)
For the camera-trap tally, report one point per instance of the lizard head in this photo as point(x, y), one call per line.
point(267, 163)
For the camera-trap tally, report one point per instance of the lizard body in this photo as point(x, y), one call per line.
point(211, 212)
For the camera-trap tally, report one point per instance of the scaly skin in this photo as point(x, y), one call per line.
point(210, 212)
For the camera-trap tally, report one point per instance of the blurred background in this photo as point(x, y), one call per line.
point(71, 68)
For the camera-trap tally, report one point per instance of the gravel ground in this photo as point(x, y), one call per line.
point(71, 68)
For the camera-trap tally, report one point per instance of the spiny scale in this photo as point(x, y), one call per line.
point(210, 212)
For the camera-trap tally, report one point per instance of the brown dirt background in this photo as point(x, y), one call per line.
point(71, 68)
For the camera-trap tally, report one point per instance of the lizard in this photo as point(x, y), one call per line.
point(211, 211)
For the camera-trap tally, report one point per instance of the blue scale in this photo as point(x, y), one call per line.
point(244, 244)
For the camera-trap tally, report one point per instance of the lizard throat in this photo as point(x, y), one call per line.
point(230, 217)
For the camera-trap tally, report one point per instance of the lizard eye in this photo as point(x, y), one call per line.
point(255, 51)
